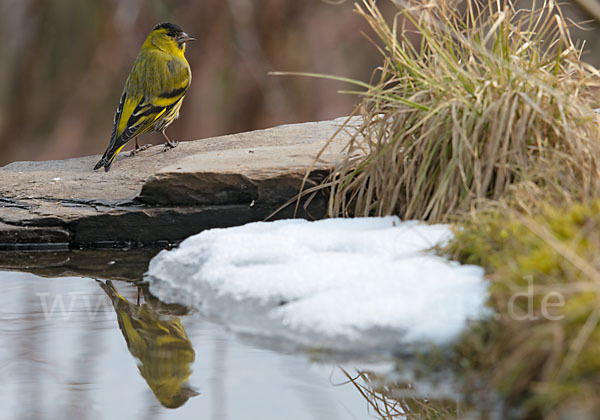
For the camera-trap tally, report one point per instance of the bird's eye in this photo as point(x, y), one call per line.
point(171, 34)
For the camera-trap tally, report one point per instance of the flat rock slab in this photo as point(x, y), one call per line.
point(156, 198)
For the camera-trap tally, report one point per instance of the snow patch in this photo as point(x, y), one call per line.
point(346, 284)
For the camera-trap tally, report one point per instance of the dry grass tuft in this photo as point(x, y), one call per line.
point(493, 97)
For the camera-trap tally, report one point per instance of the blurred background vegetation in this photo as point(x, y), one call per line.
point(63, 65)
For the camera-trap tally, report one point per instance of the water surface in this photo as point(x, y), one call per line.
point(68, 351)
point(76, 345)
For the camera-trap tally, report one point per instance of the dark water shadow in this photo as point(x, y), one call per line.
point(110, 264)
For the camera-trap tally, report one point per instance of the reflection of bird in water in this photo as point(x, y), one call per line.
point(161, 346)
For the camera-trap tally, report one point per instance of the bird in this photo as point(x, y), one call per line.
point(154, 91)
point(160, 345)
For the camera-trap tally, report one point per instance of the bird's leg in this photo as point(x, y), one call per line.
point(169, 144)
point(138, 148)
point(138, 295)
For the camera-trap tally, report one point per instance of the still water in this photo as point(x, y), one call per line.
point(76, 347)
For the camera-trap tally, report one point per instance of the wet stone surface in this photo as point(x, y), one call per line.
point(156, 198)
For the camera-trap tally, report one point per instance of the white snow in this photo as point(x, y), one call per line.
point(345, 284)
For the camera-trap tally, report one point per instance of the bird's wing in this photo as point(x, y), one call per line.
point(157, 82)
point(160, 82)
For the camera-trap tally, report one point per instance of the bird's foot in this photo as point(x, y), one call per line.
point(139, 149)
point(170, 145)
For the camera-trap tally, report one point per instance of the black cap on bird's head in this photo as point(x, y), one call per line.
point(174, 31)
point(168, 26)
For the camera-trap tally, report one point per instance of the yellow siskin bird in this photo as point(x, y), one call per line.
point(160, 345)
point(154, 90)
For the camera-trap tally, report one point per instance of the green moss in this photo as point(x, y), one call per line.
point(547, 363)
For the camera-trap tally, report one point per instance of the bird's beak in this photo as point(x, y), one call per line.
point(183, 38)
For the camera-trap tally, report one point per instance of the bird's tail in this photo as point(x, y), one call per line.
point(111, 291)
point(108, 158)
point(101, 163)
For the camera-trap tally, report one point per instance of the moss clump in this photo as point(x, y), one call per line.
point(540, 350)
